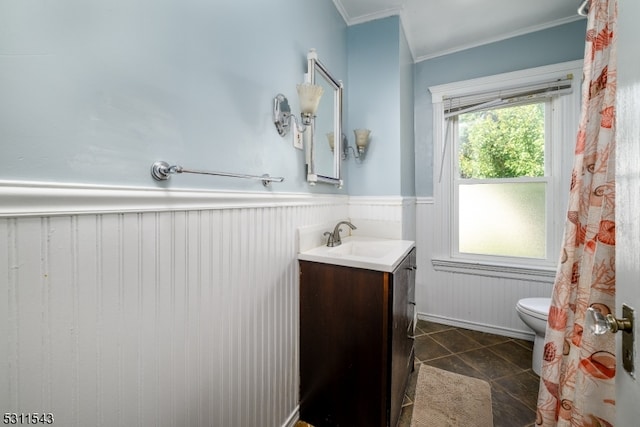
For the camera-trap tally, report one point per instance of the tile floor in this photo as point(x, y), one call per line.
point(503, 362)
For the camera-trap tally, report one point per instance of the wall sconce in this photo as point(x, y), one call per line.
point(309, 95)
point(362, 143)
point(332, 145)
point(331, 140)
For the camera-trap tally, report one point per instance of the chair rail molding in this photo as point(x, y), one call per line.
point(51, 199)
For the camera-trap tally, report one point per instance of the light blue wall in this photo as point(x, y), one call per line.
point(550, 46)
point(407, 136)
point(95, 91)
point(374, 103)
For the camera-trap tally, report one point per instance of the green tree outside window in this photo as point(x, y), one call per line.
point(502, 143)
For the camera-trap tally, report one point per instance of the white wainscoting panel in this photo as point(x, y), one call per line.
point(472, 301)
point(409, 218)
point(166, 318)
point(395, 214)
point(174, 312)
point(377, 208)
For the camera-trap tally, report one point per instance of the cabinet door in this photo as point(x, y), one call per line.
point(401, 341)
point(411, 307)
point(344, 366)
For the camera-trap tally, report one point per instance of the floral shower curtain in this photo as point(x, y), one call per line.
point(577, 384)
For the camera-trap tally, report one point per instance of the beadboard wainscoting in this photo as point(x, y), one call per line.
point(398, 212)
point(466, 299)
point(130, 307)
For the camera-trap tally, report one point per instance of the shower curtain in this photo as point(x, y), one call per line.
point(577, 383)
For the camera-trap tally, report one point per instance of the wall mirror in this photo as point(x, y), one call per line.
point(323, 162)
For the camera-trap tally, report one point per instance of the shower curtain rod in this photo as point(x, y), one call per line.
point(583, 9)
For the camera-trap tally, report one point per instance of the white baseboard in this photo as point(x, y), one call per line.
point(497, 330)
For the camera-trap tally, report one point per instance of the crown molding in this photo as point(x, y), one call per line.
point(385, 13)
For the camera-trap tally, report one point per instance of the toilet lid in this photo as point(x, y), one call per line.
point(536, 307)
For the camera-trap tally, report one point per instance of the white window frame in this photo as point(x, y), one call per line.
point(564, 117)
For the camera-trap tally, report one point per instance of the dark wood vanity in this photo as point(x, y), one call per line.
point(356, 343)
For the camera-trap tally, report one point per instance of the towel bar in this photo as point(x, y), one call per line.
point(162, 171)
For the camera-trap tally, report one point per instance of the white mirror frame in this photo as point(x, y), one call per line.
point(314, 68)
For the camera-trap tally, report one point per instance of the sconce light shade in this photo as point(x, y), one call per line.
point(309, 100)
point(362, 139)
point(331, 140)
point(309, 95)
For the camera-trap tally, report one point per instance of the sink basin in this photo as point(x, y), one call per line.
point(361, 252)
point(374, 249)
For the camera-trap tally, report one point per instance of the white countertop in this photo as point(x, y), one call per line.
point(371, 253)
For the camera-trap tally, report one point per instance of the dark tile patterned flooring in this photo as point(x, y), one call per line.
point(505, 363)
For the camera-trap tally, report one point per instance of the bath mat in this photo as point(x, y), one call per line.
point(446, 399)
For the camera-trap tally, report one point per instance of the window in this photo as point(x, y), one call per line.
point(503, 151)
point(500, 181)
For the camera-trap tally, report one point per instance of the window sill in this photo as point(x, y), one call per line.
point(499, 270)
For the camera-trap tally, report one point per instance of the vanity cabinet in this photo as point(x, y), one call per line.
point(356, 343)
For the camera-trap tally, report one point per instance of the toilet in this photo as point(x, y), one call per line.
point(534, 313)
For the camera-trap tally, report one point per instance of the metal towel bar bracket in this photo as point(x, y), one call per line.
point(162, 171)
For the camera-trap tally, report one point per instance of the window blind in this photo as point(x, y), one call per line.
point(454, 106)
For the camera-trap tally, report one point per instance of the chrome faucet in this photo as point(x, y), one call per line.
point(334, 239)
